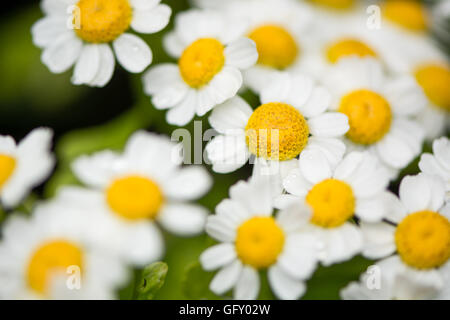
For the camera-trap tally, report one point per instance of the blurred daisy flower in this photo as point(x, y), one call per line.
point(211, 53)
point(293, 120)
point(355, 188)
point(380, 110)
point(24, 165)
point(82, 32)
point(53, 255)
point(418, 232)
point(133, 190)
point(253, 240)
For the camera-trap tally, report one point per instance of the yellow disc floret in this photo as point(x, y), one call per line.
point(276, 47)
point(369, 116)
point(408, 14)
point(276, 131)
point(335, 4)
point(50, 258)
point(435, 81)
point(102, 20)
point(7, 166)
point(201, 61)
point(134, 197)
point(332, 202)
point(259, 242)
point(348, 47)
point(423, 240)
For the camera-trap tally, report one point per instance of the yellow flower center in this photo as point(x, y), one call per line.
point(7, 166)
point(276, 47)
point(201, 61)
point(333, 203)
point(52, 257)
point(408, 14)
point(348, 47)
point(335, 4)
point(435, 81)
point(369, 116)
point(276, 131)
point(102, 20)
point(134, 198)
point(259, 242)
point(423, 240)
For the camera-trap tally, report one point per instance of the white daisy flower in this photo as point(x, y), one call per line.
point(380, 110)
point(134, 190)
point(355, 188)
point(96, 25)
point(438, 163)
point(253, 240)
point(54, 255)
point(211, 53)
point(418, 232)
point(292, 121)
point(24, 165)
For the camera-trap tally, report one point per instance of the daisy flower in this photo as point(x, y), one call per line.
point(24, 165)
point(252, 239)
point(54, 255)
point(133, 190)
point(211, 53)
point(418, 233)
point(438, 163)
point(292, 121)
point(379, 109)
point(355, 188)
point(97, 25)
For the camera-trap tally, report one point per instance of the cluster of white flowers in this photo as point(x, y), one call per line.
point(348, 98)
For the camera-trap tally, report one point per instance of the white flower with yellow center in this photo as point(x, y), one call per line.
point(97, 24)
point(252, 239)
point(438, 163)
point(211, 50)
point(292, 121)
point(355, 188)
point(134, 190)
point(54, 255)
point(418, 232)
point(24, 165)
point(380, 110)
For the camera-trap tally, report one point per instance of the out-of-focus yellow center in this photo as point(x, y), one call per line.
point(348, 47)
point(423, 240)
point(333, 203)
point(7, 166)
point(276, 47)
point(259, 242)
point(335, 4)
point(134, 197)
point(369, 116)
point(51, 258)
point(435, 81)
point(276, 131)
point(201, 61)
point(408, 14)
point(102, 20)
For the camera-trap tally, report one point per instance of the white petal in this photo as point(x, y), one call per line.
point(318, 102)
point(47, 30)
point(96, 170)
point(217, 256)
point(314, 166)
point(285, 201)
point(144, 4)
point(422, 192)
point(329, 125)
point(173, 44)
point(241, 53)
point(87, 65)
point(296, 184)
point(232, 114)
point(405, 96)
point(247, 287)
point(227, 153)
point(233, 212)
point(255, 197)
point(284, 286)
point(288, 88)
point(183, 219)
point(379, 240)
point(341, 244)
point(184, 112)
point(152, 20)
point(188, 183)
point(132, 53)
point(56, 7)
point(62, 53)
point(374, 209)
point(106, 68)
point(221, 229)
point(441, 149)
point(430, 165)
point(299, 258)
point(294, 217)
point(333, 149)
point(226, 278)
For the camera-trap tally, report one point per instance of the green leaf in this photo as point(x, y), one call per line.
point(153, 278)
point(195, 284)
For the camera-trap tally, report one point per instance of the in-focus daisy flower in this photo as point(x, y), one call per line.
point(24, 165)
point(211, 53)
point(252, 239)
point(54, 255)
point(438, 163)
point(379, 109)
point(418, 232)
point(133, 190)
point(292, 121)
point(355, 188)
point(97, 25)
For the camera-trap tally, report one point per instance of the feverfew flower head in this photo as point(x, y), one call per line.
point(211, 50)
point(96, 25)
